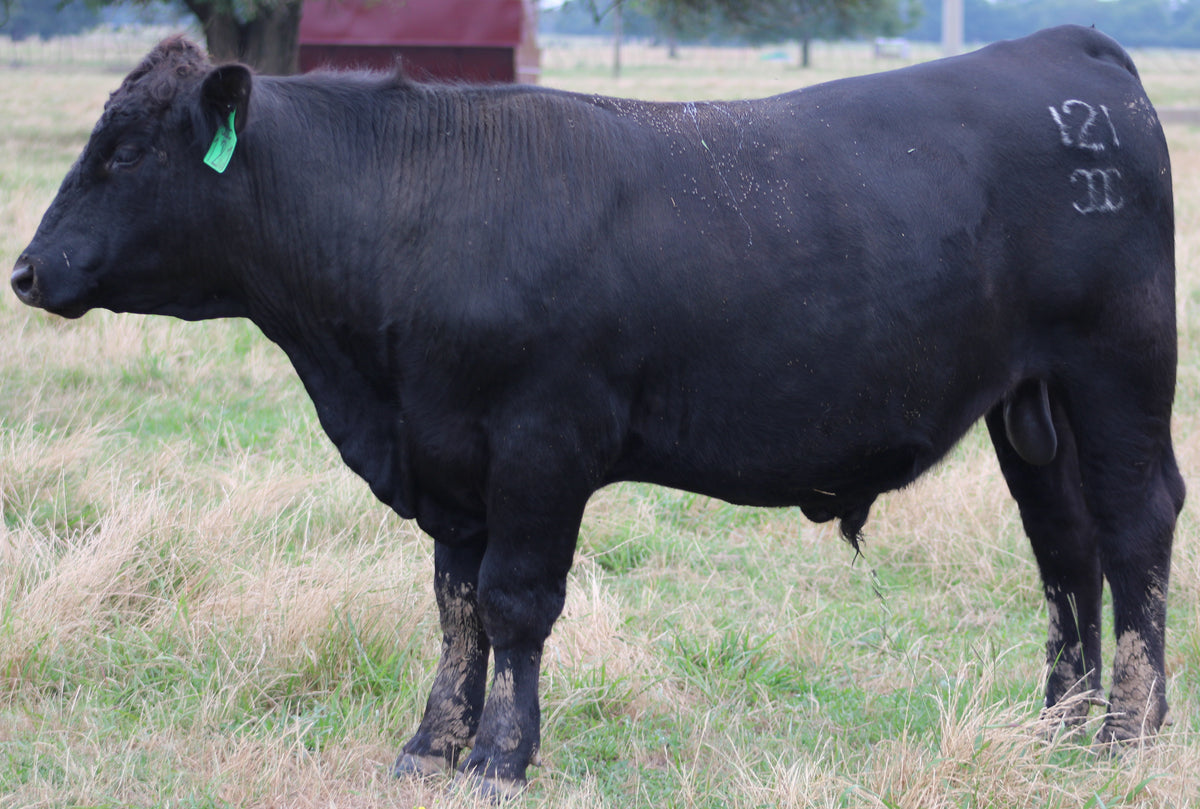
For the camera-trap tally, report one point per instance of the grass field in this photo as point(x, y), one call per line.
point(200, 607)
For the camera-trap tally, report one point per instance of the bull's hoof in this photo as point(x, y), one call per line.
point(1124, 731)
point(1067, 718)
point(494, 790)
point(411, 766)
point(1050, 728)
point(1116, 737)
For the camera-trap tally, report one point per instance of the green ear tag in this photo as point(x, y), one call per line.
point(222, 147)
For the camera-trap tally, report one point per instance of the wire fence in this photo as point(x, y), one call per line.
point(1171, 76)
point(104, 48)
point(596, 53)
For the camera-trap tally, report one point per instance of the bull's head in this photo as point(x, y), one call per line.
point(137, 223)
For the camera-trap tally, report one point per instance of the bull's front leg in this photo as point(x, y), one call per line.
point(510, 731)
point(522, 587)
point(456, 699)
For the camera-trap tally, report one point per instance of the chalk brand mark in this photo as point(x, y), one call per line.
point(1090, 128)
point(1101, 184)
point(1077, 125)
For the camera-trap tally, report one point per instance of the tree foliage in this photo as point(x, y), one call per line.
point(1135, 23)
point(826, 19)
point(261, 33)
point(20, 19)
point(771, 20)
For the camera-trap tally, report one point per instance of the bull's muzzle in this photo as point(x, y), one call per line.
point(24, 281)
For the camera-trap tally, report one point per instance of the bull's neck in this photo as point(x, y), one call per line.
point(353, 183)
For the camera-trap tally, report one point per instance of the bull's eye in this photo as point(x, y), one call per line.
point(125, 157)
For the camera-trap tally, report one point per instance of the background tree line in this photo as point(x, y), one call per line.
point(264, 33)
point(1136, 23)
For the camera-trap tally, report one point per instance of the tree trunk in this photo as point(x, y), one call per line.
point(617, 41)
point(805, 54)
point(270, 42)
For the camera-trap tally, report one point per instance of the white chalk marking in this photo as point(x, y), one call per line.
point(1111, 128)
point(1084, 138)
point(1101, 191)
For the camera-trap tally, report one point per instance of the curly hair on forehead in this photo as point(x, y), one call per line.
point(158, 77)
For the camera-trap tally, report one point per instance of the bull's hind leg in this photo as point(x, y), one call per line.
point(1063, 535)
point(456, 698)
point(1134, 492)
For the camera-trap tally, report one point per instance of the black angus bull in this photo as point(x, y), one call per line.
point(502, 299)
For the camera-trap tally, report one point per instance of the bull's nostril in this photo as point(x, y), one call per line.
point(23, 279)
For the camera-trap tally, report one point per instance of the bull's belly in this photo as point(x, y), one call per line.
point(797, 473)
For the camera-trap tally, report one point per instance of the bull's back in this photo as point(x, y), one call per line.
point(861, 266)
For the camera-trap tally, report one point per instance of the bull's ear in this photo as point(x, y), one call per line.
point(226, 89)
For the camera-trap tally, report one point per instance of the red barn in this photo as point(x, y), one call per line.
point(471, 40)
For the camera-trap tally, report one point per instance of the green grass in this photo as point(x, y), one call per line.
point(200, 607)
